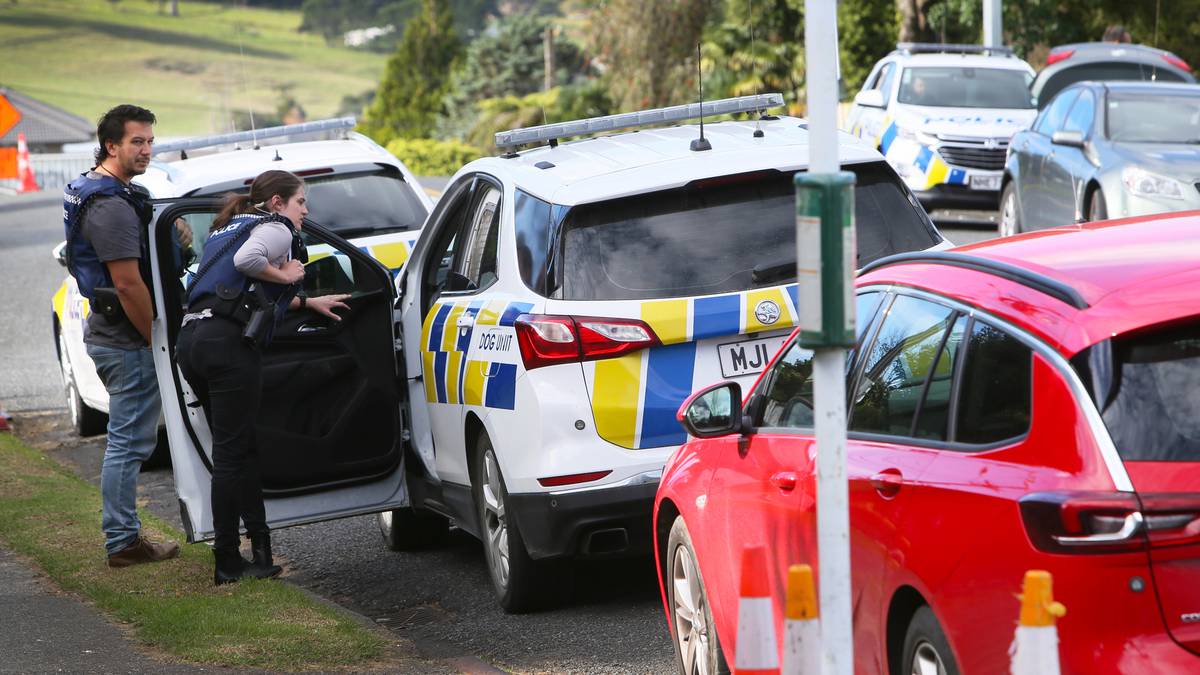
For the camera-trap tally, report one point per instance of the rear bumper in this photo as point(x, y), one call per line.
point(598, 522)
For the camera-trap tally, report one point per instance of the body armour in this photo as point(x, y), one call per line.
point(82, 261)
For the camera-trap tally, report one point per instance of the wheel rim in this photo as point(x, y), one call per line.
point(494, 519)
point(385, 522)
point(68, 381)
point(927, 661)
point(688, 607)
point(1008, 216)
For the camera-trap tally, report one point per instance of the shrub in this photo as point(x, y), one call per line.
point(427, 157)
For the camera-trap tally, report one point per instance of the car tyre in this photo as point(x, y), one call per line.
point(694, 635)
point(86, 420)
point(1097, 209)
point(410, 529)
point(1010, 219)
point(926, 649)
point(521, 583)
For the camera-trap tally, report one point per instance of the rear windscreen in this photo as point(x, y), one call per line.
point(1150, 393)
point(1100, 71)
point(728, 234)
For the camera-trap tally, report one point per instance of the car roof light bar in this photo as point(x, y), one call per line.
point(642, 118)
point(943, 48)
point(303, 128)
point(1028, 278)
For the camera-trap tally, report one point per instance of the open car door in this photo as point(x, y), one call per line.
point(329, 431)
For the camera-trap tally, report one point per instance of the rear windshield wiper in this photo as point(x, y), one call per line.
point(774, 271)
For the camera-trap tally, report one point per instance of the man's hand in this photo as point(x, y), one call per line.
point(133, 294)
point(325, 304)
point(185, 232)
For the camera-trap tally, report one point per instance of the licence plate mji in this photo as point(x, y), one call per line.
point(748, 357)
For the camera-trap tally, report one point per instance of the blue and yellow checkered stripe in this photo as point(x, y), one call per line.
point(393, 254)
point(449, 376)
point(635, 397)
point(928, 162)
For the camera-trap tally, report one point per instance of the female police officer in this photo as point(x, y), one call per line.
point(246, 280)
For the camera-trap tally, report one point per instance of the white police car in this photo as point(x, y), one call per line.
point(355, 187)
point(943, 116)
point(558, 307)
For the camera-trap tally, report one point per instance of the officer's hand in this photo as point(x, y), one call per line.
point(185, 232)
point(293, 271)
point(325, 304)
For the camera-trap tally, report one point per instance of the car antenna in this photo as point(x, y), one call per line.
point(246, 87)
point(700, 144)
point(758, 132)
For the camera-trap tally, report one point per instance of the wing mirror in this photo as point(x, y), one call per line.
point(60, 254)
point(1073, 139)
point(713, 411)
point(871, 98)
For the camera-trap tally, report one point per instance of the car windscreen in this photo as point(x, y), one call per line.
point(1100, 71)
point(365, 203)
point(1147, 387)
point(719, 235)
point(1148, 118)
point(963, 87)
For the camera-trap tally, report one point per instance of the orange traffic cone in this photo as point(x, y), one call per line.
point(25, 167)
point(1035, 649)
point(801, 624)
point(756, 652)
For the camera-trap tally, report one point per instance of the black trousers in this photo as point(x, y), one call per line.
point(226, 374)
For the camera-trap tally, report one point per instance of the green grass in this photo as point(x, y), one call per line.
point(53, 516)
point(89, 55)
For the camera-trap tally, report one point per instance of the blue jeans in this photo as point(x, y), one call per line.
point(133, 408)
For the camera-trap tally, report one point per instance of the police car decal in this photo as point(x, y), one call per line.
point(475, 364)
point(393, 252)
point(635, 397)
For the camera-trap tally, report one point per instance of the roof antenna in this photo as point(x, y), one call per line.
point(758, 132)
point(246, 87)
point(700, 144)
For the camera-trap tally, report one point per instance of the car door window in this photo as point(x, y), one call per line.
point(897, 366)
point(885, 81)
point(788, 398)
point(479, 255)
point(1054, 115)
point(439, 262)
point(995, 400)
point(933, 417)
point(1081, 115)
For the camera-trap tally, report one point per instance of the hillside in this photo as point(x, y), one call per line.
point(88, 55)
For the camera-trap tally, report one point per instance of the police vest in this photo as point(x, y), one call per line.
point(218, 284)
point(82, 261)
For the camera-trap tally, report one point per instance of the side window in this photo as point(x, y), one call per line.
point(439, 262)
point(898, 364)
point(1054, 115)
point(995, 400)
point(885, 81)
point(934, 416)
point(789, 395)
point(1081, 115)
point(479, 255)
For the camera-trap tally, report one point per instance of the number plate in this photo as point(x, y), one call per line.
point(749, 357)
point(991, 183)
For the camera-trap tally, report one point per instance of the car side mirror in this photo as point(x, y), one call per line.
point(871, 98)
point(1073, 139)
point(713, 411)
point(60, 254)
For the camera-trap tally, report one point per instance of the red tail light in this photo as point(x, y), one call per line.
point(1109, 522)
point(1177, 62)
point(573, 479)
point(547, 340)
point(1058, 55)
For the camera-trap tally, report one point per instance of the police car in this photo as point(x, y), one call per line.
point(943, 116)
point(355, 187)
point(520, 379)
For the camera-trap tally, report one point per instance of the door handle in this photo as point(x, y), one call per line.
point(308, 328)
point(887, 482)
point(465, 321)
point(784, 480)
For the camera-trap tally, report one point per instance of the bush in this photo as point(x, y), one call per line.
point(427, 157)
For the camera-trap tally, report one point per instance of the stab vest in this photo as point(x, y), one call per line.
point(82, 261)
point(219, 285)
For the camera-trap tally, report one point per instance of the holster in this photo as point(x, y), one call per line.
point(107, 303)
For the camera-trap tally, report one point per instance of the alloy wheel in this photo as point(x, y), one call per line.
point(494, 519)
point(68, 382)
point(691, 626)
point(1008, 216)
point(927, 661)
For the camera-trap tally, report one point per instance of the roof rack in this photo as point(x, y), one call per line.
point(943, 48)
point(1038, 282)
point(553, 132)
point(255, 136)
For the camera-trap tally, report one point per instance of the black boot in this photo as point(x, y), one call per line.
point(231, 566)
point(264, 563)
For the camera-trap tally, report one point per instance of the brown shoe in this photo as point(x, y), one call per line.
point(142, 550)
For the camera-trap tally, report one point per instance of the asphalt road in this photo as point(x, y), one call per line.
point(611, 622)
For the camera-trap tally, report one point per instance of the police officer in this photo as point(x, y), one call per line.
point(105, 219)
point(248, 277)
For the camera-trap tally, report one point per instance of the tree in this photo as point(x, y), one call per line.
point(409, 98)
point(757, 48)
point(914, 20)
point(866, 33)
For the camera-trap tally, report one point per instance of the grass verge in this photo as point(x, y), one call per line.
point(53, 516)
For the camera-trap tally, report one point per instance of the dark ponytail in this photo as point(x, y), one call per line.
point(265, 186)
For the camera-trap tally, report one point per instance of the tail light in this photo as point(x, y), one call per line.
point(1177, 62)
point(1058, 55)
point(1109, 522)
point(546, 340)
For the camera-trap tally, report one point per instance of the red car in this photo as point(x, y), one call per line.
point(1026, 403)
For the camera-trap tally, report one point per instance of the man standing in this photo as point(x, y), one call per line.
point(105, 219)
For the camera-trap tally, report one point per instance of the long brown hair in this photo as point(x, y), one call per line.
point(265, 186)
